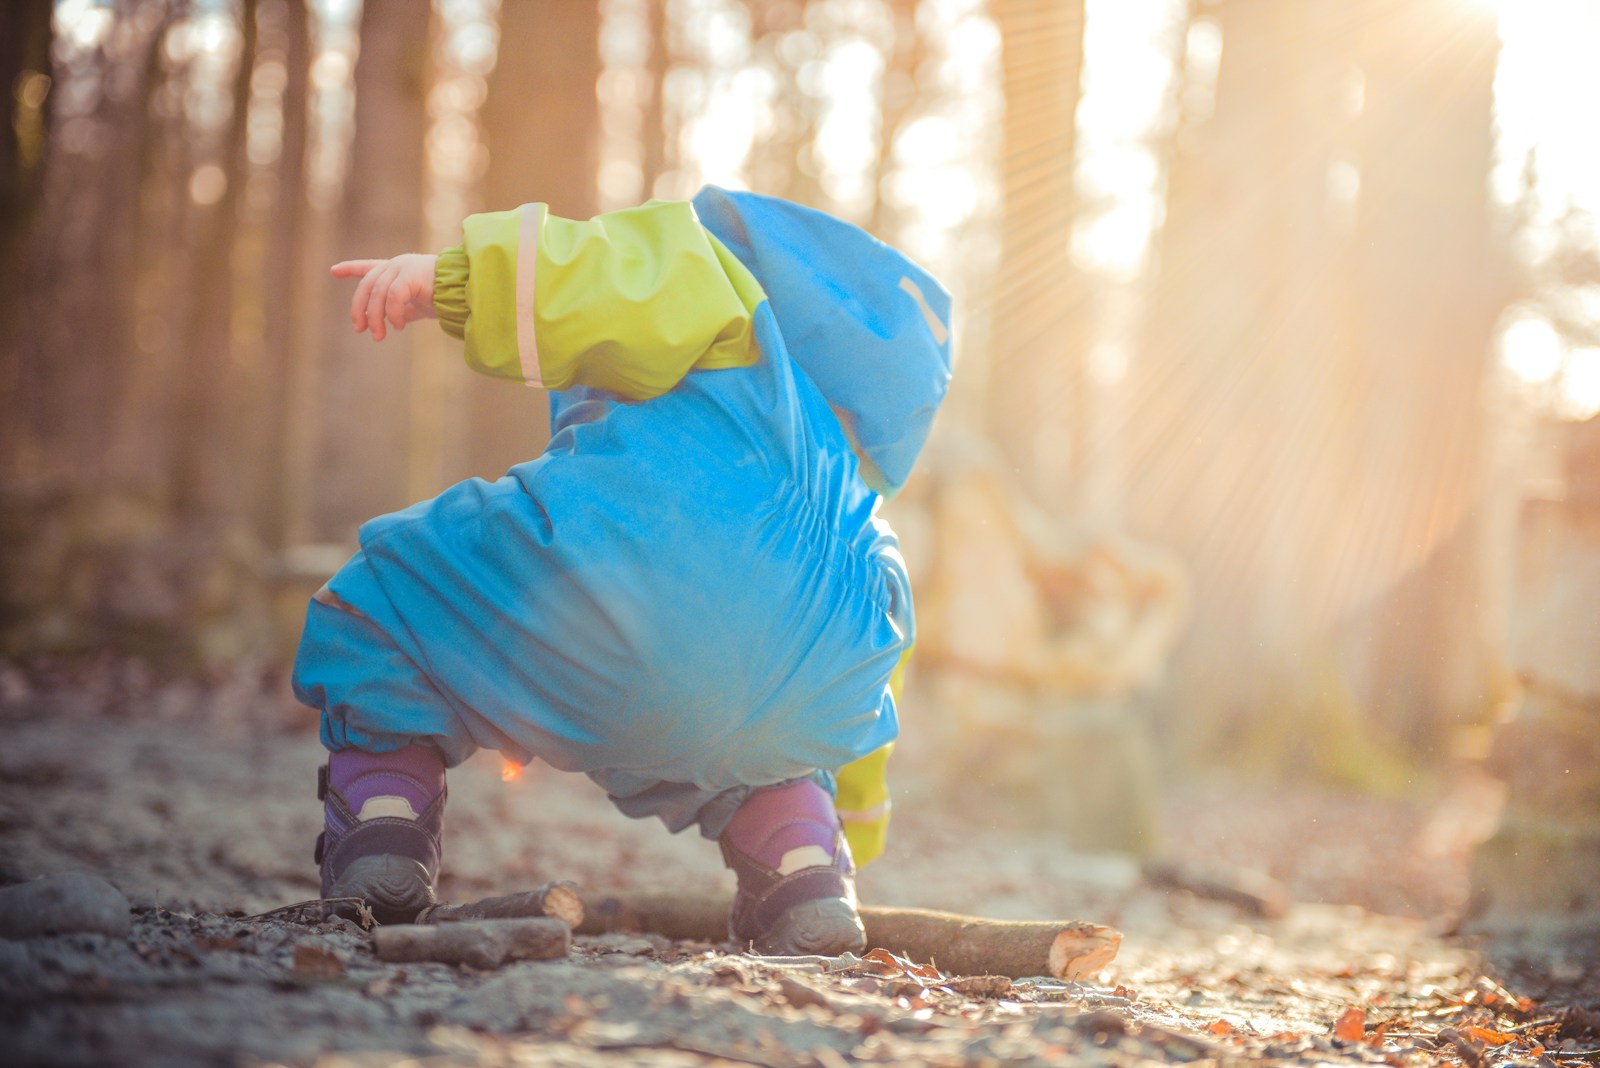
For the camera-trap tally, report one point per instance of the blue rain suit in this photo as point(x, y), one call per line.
point(688, 594)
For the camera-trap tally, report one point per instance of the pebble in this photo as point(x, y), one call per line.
point(63, 904)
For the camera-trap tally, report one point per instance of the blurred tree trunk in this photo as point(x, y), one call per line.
point(25, 74)
point(542, 121)
point(69, 349)
point(1431, 275)
point(1233, 414)
point(281, 277)
point(208, 461)
point(361, 465)
point(1036, 399)
point(1309, 414)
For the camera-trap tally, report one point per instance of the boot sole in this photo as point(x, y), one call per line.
point(395, 888)
point(825, 927)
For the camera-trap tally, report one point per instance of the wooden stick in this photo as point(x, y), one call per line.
point(558, 900)
point(958, 945)
point(681, 917)
point(480, 943)
point(972, 945)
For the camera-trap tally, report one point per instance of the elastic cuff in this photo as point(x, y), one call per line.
point(450, 290)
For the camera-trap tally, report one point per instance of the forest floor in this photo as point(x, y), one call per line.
point(196, 802)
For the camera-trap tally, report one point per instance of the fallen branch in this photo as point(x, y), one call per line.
point(320, 910)
point(557, 900)
point(971, 945)
point(480, 943)
point(681, 917)
point(959, 945)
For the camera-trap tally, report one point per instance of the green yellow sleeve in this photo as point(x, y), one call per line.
point(862, 797)
point(450, 291)
point(629, 301)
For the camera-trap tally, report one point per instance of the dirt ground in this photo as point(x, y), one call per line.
point(196, 802)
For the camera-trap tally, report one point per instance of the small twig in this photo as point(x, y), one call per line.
point(320, 910)
point(1517, 1030)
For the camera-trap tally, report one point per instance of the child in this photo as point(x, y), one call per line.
point(689, 596)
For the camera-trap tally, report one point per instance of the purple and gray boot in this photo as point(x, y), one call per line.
point(797, 890)
point(383, 817)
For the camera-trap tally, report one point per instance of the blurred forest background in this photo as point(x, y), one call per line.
point(1273, 320)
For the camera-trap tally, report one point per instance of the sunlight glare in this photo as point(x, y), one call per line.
point(1531, 349)
point(1127, 81)
point(83, 23)
point(1580, 385)
point(1545, 84)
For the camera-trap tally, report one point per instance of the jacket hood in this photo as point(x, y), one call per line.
point(867, 325)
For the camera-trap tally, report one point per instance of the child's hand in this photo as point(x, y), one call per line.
point(400, 289)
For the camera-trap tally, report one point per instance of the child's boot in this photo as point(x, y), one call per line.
point(383, 816)
point(797, 889)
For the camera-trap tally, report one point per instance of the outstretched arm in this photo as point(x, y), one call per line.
point(629, 301)
point(399, 290)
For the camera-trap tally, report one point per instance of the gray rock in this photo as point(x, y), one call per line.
point(63, 904)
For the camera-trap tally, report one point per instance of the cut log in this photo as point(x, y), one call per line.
point(972, 945)
point(682, 917)
point(557, 900)
point(480, 943)
point(958, 945)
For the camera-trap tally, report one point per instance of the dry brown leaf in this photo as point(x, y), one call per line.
point(317, 963)
point(1351, 1025)
point(897, 965)
point(1488, 1037)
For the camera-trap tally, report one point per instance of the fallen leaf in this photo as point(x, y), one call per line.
point(890, 964)
point(221, 943)
point(1351, 1025)
point(1221, 1027)
point(317, 963)
point(1488, 1037)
